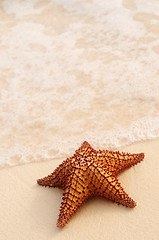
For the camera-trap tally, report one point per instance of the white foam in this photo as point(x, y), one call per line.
point(76, 71)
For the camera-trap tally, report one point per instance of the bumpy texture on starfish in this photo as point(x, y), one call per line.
point(90, 173)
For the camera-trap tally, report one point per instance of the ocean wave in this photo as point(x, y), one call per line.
point(75, 71)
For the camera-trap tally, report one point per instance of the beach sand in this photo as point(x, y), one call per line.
point(70, 71)
point(28, 211)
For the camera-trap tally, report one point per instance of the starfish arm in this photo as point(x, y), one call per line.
point(74, 196)
point(111, 189)
point(85, 149)
point(119, 161)
point(57, 178)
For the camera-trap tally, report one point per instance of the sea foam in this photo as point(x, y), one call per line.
point(74, 71)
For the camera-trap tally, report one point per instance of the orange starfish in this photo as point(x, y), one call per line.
point(90, 173)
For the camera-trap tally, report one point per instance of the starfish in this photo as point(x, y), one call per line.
point(90, 173)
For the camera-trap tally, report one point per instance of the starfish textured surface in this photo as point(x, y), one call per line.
point(90, 173)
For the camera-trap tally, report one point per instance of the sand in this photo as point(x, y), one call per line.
point(71, 71)
point(28, 211)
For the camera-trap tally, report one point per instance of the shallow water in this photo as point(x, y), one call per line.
point(74, 71)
